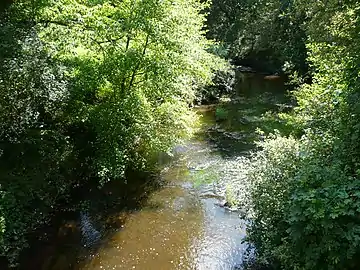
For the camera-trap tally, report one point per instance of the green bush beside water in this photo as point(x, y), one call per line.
point(90, 90)
point(305, 190)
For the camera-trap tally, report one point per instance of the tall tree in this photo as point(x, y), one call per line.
point(268, 34)
point(91, 89)
point(305, 191)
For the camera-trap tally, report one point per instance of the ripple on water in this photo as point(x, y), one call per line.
point(186, 230)
point(155, 238)
point(183, 227)
point(221, 245)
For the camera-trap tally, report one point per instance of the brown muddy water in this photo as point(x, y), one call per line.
point(182, 224)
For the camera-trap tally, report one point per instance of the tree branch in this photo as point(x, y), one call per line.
point(138, 64)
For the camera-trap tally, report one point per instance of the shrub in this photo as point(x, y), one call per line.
point(305, 194)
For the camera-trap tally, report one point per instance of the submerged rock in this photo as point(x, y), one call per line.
point(222, 203)
point(227, 206)
point(244, 69)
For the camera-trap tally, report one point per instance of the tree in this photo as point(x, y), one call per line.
point(266, 34)
point(91, 90)
point(34, 147)
point(149, 57)
point(314, 223)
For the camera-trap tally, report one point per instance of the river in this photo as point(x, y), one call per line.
point(182, 223)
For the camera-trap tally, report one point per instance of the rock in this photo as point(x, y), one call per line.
point(244, 69)
point(272, 77)
point(223, 204)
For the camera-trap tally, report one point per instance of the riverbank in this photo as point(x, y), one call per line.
point(180, 224)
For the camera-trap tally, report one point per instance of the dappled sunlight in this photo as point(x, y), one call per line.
point(234, 124)
point(179, 134)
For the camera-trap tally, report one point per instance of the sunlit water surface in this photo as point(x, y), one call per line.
point(182, 225)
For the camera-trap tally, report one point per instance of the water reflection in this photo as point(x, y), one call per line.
point(90, 235)
point(181, 225)
point(220, 247)
point(156, 237)
point(256, 105)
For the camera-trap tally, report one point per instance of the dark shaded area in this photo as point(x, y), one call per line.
point(223, 85)
point(255, 105)
point(266, 35)
point(5, 4)
point(231, 131)
point(262, 62)
point(59, 246)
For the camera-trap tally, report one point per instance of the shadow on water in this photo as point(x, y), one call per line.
point(233, 124)
point(79, 231)
point(169, 222)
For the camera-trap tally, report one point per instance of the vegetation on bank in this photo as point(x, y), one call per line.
point(93, 89)
point(304, 189)
point(89, 91)
point(265, 34)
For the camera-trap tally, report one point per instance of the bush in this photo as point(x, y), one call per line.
point(222, 85)
point(270, 175)
point(305, 192)
point(303, 212)
point(90, 91)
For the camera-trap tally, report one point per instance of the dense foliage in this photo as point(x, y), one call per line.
point(305, 192)
point(89, 91)
point(267, 35)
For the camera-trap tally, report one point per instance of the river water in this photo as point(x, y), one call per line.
point(182, 224)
